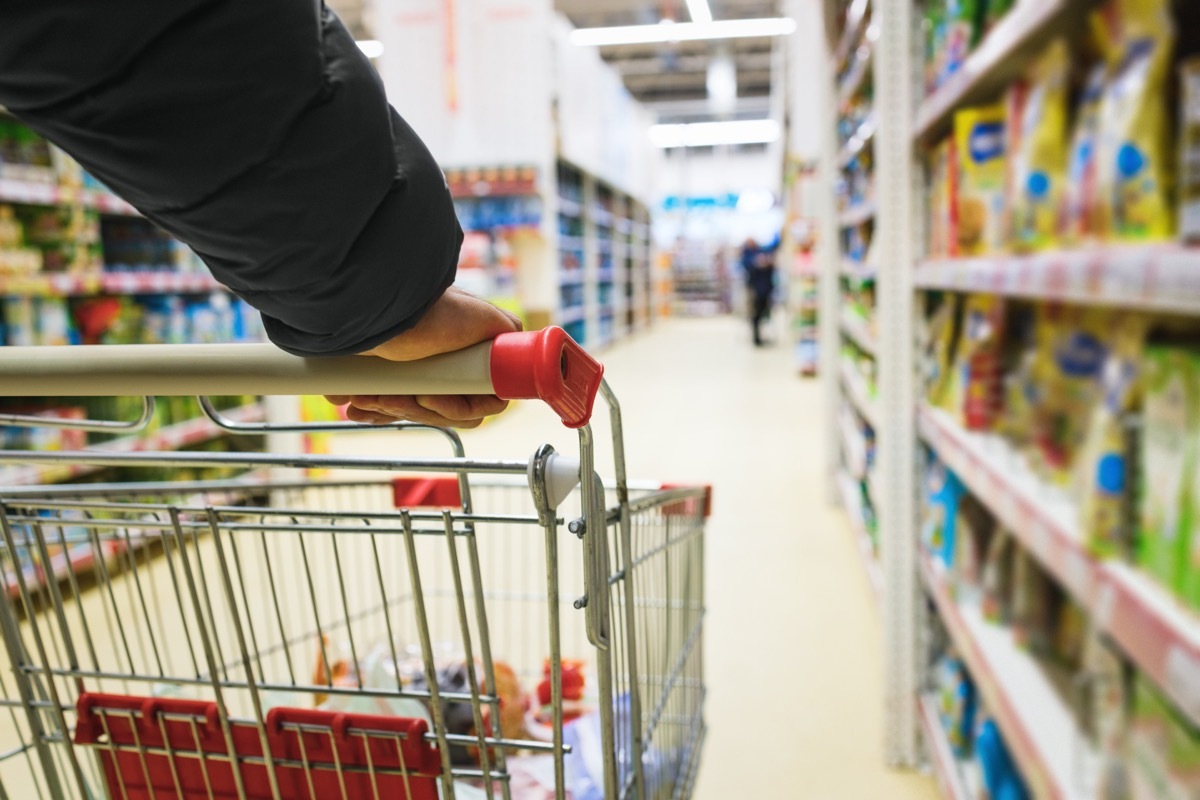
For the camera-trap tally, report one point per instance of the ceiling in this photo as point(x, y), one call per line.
point(672, 77)
point(669, 78)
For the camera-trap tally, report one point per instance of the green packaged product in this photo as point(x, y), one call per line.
point(1190, 579)
point(1167, 458)
point(995, 11)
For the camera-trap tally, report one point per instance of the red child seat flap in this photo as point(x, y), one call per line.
point(159, 748)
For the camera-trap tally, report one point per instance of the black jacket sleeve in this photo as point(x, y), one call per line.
point(257, 133)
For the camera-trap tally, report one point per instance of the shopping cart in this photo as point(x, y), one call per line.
point(405, 628)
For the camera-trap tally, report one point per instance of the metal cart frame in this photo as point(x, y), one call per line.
point(230, 711)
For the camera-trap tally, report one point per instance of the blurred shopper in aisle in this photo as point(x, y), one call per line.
point(258, 134)
point(758, 263)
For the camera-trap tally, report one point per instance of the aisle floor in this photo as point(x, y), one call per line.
point(793, 642)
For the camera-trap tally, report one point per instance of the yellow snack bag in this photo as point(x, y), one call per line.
point(1134, 153)
point(1103, 476)
point(979, 157)
point(1073, 345)
point(1039, 162)
point(1080, 216)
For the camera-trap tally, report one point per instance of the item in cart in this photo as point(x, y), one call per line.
point(1169, 427)
point(1037, 125)
point(980, 164)
point(976, 381)
point(1103, 474)
point(513, 702)
point(1081, 210)
point(1135, 153)
point(1189, 150)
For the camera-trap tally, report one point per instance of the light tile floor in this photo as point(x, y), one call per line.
point(793, 643)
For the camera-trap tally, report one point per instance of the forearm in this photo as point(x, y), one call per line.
point(256, 133)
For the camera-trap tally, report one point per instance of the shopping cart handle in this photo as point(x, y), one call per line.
point(550, 366)
point(546, 365)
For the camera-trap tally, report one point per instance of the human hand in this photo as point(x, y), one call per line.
point(455, 321)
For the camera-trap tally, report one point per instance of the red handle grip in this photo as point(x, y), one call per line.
point(547, 365)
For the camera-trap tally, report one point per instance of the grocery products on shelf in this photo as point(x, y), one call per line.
point(1002, 606)
point(1080, 149)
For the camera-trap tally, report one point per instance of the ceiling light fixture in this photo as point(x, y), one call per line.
point(683, 31)
point(372, 48)
point(699, 10)
point(711, 134)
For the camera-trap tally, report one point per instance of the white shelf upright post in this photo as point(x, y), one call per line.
point(894, 241)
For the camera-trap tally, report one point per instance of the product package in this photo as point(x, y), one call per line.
point(1190, 579)
point(1038, 161)
point(976, 392)
point(962, 21)
point(997, 578)
point(1189, 150)
point(943, 239)
point(1102, 476)
point(1073, 344)
point(980, 163)
point(1081, 212)
point(1135, 161)
point(1169, 427)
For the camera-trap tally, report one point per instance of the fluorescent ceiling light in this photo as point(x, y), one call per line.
point(683, 31)
point(372, 48)
point(721, 82)
point(710, 134)
point(699, 10)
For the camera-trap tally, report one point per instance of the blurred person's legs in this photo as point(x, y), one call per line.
point(761, 311)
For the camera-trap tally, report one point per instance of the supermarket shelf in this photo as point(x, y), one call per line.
point(861, 138)
point(856, 389)
point(857, 270)
point(1050, 749)
point(569, 208)
point(570, 242)
point(853, 82)
point(605, 275)
point(857, 215)
point(572, 277)
point(83, 285)
point(172, 437)
point(603, 217)
point(1162, 278)
point(1160, 636)
point(571, 314)
point(51, 194)
point(855, 327)
point(855, 15)
point(945, 765)
point(854, 445)
point(848, 488)
point(998, 59)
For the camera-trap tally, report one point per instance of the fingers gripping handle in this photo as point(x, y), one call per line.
point(547, 365)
